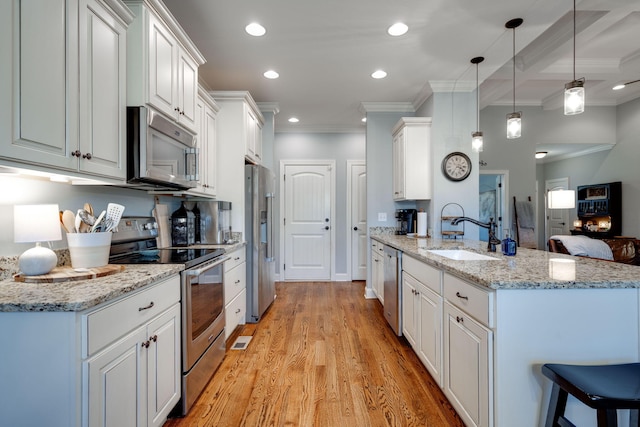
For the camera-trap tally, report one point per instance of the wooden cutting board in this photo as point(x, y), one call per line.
point(63, 274)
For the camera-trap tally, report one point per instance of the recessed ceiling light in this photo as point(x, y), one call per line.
point(255, 29)
point(271, 74)
point(293, 120)
point(364, 120)
point(540, 154)
point(379, 74)
point(397, 29)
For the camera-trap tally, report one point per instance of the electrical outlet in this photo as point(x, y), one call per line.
point(382, 216)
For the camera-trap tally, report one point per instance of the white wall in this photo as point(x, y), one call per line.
point(22, 191)
point(314, 146)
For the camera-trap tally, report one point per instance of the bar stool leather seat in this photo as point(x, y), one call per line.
point(605, 388)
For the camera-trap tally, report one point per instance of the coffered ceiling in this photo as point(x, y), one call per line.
point(325, 52)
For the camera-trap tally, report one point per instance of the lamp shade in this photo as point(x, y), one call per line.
point(36, 223)
point(562, 199)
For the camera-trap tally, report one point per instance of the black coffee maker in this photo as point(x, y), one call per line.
point(406, 221)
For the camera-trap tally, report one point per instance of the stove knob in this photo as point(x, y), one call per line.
point(148, 226)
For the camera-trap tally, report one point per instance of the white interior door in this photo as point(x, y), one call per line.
point(308, 227)
point(357, 218)
point(557, 219)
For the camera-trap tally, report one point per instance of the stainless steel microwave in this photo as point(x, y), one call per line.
point(160, 153)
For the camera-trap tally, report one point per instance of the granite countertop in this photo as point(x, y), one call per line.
point(81, 294)
point(529, 269)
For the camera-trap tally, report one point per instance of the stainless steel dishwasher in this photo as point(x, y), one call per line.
point(392, 288)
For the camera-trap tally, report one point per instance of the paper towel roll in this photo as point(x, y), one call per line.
point(422, 224)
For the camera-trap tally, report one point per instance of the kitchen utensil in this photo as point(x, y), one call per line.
point(98, 221)
point(81, 226)
point(77, 222)
point(86, 217)
point(68, 220)
point(88, 208)
point(114, 213)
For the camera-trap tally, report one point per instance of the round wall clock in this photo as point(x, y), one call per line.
point(456, 166)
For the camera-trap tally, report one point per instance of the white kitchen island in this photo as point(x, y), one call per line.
point(512, 315)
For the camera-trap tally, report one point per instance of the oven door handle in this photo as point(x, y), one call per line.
point(204, 268)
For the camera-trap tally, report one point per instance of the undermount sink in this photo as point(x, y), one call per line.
point(462, 255)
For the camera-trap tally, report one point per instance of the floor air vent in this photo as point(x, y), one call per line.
point(241, 342)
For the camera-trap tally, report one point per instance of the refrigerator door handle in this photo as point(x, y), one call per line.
point(269, 254)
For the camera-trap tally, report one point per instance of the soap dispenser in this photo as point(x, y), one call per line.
point(508, 246)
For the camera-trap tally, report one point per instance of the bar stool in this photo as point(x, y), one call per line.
point(605, 388)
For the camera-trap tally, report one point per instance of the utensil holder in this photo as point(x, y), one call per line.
point(89, 250)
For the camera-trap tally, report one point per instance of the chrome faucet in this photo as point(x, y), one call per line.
point(491, 225)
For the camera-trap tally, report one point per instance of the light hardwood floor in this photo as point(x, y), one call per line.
point(322, 356)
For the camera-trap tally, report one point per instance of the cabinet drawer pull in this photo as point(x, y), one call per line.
point(76, 153)
point(151, 304)
point(459, 319)
point(146, 344)
point(461, 296)
point(237, 281)
point(237, 311)
point(87, 156)
point(236, 258)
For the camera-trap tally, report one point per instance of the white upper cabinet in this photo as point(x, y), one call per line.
point(162, 68)
point(63, 101)
point(206, 123)
point(412, 172)
point(241, 121)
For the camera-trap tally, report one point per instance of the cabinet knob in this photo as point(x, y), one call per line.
point(76, 153)
point(87, 156)
point(355, 228)
point(237, 311)
point(237, 281)
point(154, 338)
point(327, 227)
point(146, 344)
point(176, 109)
point(459, 319)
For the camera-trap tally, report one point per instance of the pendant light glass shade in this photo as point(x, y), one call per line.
point(574, 90)
point(514, 119)
point(574, 98)
point(514, 125)
point(477, 142)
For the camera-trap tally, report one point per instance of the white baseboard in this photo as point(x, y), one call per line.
point(369, 294)
point(341, 277)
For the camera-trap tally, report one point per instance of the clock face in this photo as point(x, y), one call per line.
point(456, 166)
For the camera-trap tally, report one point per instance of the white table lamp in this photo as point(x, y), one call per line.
point(36, 223)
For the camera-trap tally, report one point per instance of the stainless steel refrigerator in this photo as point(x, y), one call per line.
point(259, 196)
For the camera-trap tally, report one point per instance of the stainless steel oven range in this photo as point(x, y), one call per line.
point(202, 298)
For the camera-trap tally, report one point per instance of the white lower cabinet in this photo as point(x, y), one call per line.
point(448, 323)
point(422, 313)
point(135, 381)
point(377, 270)
point(235, 295)
point(116, 364)
point(468, 362)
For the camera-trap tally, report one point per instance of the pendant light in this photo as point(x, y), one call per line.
point(574, 90)
point(514, 119)
point(476, 137)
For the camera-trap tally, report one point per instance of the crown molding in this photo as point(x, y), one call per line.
point(452, 85)
point(386, 107)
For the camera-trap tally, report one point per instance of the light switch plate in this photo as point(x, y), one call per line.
point(382, 216)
